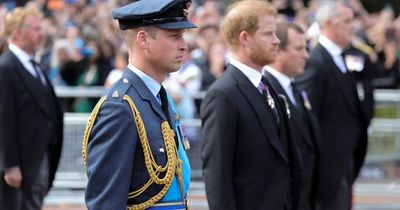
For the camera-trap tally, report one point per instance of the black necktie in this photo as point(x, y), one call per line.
point(39, 73)
point(278, 112)
point(164, 102)
point(297, 97)
point(343, 54)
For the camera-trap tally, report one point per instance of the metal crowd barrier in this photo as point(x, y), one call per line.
point(384, 142)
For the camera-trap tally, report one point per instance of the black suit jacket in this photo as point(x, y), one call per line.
point(364, 80)
point(244, 163)
point(307, 136)
point(343, 124)
point(30, 121)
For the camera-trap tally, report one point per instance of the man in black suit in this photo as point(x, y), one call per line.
point(360, 65)
point(289, 63)
point(31, 126)
point(334, 100)
point(249, 159)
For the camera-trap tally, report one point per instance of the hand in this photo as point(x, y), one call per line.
point(13, 177)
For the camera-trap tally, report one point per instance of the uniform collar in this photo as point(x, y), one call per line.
point(150, 83)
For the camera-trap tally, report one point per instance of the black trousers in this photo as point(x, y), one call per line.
point(28, 197)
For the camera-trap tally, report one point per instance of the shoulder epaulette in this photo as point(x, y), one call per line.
point(118, 90)
point(116, 93)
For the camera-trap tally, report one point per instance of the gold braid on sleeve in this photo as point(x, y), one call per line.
point(89, 126)
point(152, 167)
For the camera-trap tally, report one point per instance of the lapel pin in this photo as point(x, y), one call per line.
point(286, 105)
point(307, 103)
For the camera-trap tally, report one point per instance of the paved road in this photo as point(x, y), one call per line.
point(368, 196)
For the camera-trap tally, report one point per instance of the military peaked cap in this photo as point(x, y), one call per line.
point(166, 14)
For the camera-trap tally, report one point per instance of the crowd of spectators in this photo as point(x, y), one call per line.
point(83, 43)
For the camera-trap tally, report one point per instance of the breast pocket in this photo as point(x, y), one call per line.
point(159, 151)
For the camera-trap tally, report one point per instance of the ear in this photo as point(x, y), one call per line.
point(244, 37)
point(142, 39)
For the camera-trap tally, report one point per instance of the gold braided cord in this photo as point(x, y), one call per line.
point(141, 190)
point(154, 170)
point(151, 165)
point(89, 126)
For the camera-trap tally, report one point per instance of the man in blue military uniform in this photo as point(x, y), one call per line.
point(133, 147)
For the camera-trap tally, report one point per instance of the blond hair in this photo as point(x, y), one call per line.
point(16, 19)
point(243, 16)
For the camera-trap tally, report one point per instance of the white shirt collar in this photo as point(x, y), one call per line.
point(20, 53)
point(330, 46)
point(284, 80)
point(335, 51)
point(252, 74)
point(24, 58)
point(152, 84)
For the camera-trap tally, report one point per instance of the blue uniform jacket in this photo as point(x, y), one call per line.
point(115, 161)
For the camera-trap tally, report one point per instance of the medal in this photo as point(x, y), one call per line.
point(186, 143)
point(270, 100)
point(286, 105)
point(184, 138)
point(307, 103)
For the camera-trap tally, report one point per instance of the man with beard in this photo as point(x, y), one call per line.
point(249, 159)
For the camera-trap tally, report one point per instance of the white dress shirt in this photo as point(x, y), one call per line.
point(26, 59)
point(252, 74)
point(285, 81)
point(335, 51)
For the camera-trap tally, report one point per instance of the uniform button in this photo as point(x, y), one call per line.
point(125, 80)
point(161, 150)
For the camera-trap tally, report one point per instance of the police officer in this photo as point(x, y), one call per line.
point(133, 147)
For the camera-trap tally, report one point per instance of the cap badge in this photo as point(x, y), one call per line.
point(186, 11)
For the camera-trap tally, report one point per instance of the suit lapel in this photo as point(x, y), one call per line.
point(296, 117)
point(254, 98)
point(340, 78)
point(144, 92)
point(32, 85)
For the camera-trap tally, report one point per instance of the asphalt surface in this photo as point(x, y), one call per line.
point(368, 196)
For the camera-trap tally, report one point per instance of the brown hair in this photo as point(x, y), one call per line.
point(243, 16)
point(130, 34)
point(282, 29)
